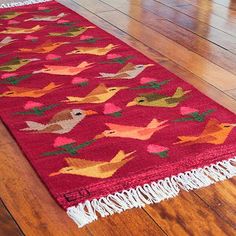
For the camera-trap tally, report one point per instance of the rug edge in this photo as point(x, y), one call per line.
point(22, 3)
point(154, 192)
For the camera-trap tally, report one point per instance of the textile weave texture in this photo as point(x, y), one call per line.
point(94, 116)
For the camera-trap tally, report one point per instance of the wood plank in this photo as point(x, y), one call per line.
point(186, 38)
point(8, 225)
point(232, 93)
point(188, 215)
point(227, 3)
point(196, 64)
point(190, 10)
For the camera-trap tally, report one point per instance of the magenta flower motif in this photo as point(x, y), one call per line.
point(62, 21)
point(7, 75)
point(145, 80)
point(13, 22)
point(31, 105)
point(112, 109)
point(187, 110)
point(62, 141)
point(111, 56)
point(158, 150)
point(80, 81)
point(86, 37)
point(51, 57)
point(31, 38)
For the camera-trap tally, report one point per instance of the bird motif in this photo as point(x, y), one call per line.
point(30, 92)
point(65, 70)
point(129, 71)
point(73, 32)
point(46, 18)
point(98, 95)
point(46, 47)
point(15, 64)
point(159, 100)
point(95, 169)
point(6, 41)
point(61, 123)
point(99, 51)
point(135, 132)
point(14, 30)
point(214, 132)
point(10, 15)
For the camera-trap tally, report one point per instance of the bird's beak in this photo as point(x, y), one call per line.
point(54, 174)
point(90, 27)
point(36, 72)
point(148, 65)
point(99, 136)
point(124, 87)
point(234, 125)
point(69, 53)
point(34, 59)
point(90, 112)
point(130, 104)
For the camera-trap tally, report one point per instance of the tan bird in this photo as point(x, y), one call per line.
point(95, 169)
point(46, 18)
point(61, 123)
point(98, 95)
point(99, 51)
point(129, 71)
point(14, 30)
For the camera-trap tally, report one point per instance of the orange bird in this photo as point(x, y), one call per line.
point(29, 92)
point(46, 47)
point(65, 70)
point(125, 131)
point(215, 132)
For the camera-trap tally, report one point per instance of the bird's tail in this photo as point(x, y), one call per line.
point(85, 64)
point(155, 123)
point(186, 139)
point(37, 27)
point(7, 40)
point(61, 14)
point(105, 75)
point(180, 93)
point(111, 46)
point(121, 155)
point(33, 126)
point(51, 86)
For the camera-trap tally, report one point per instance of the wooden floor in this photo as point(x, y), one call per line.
point(195, 39)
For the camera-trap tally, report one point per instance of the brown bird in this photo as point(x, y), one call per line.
point(95, 169)
point(61, 123)
point(215, 132)
point(30, 92)
point(46, 47)
point(14, 30)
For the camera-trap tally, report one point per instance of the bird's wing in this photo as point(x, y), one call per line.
point(100, 89)
point(81, 163)
point(211, 127)
point(52, 128)
point(45, 44)
point(127, 67)
point(152, 96)
point(121, 128)
point(61, 116)
point(14, 61)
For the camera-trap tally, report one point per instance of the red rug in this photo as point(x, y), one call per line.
point(105, 128)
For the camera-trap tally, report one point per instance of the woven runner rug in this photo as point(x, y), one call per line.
point(105, 128)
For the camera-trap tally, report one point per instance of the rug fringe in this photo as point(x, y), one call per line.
point(22, 3)
point(85, 213)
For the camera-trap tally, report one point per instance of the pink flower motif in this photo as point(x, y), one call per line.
point(110, 108)
point(32, 38)
point(61, 141)
point(145, 80)
point(113, 56)
point(62, 21)
point(187, 110)
point(7, 75)
point(42, 8)
point(50, 57)
point(153, 148)
point(79, 80)
point(86, 37)
point(13, 22)
point(30, 105)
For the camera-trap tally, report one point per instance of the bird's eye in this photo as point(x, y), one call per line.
point(140, 66)
point(226, 126)
point(78, 114)
point(111, 132)
point(112, 89)
point(10, 93)
point(141, 100)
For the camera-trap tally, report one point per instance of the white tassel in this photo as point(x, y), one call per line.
point(22, 3)
point(85, 213)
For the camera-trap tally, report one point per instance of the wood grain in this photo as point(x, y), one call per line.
point(181, 36)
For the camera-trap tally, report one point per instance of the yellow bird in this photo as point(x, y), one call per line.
point(99, 95)
point(99, 51)
point(95, 169)
point(14, 30)
point(30, 92)
point(215, 132)
point(10, 15)
point(159, 100)
point(73, 32)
